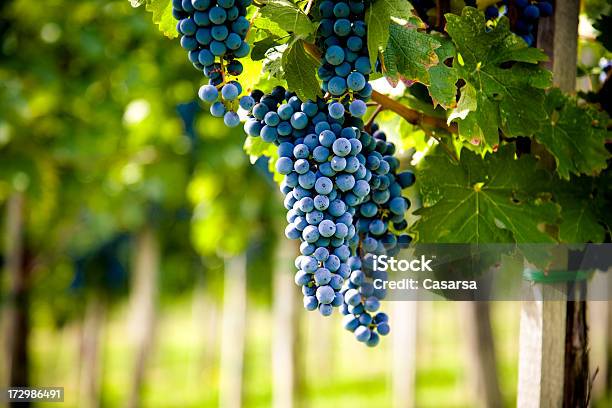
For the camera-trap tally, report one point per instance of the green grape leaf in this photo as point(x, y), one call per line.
point(269, 26)
point(162, 15)
point(409, 55)
point(273, 63)
point(255, 147)
point(300, 72)
point(443, 89)
point(258, 52)
point(288, 17)
point(495, 199)
point(575, 135)
point(378, 19)
point(504, 83)
point(579, 210)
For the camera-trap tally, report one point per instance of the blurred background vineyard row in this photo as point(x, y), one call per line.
point(142, 251)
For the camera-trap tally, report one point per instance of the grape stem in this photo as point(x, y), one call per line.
point(368, 125)
point(308, 7)
point(255, 15)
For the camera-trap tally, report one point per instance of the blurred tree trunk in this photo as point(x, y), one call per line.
point(404, 331)
point(17, 323)
point(143, 306)
point(92, 352)
point(481, 359)
point(233, 332)
point(206, 318)
point(286, 360)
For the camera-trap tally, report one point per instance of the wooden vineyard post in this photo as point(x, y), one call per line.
point(553, 336)
point(404, 343)
point(143, 306)
point(233, 332)
point(285, 350)
point(17, 328)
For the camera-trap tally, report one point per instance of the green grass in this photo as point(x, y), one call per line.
point(183, 367)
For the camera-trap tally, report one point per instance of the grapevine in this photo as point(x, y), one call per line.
point(341, 179)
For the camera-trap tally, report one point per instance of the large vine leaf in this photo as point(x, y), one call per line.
point(288, 17)
point(162, 15)
point(378, 20)
point(442, 88)
point(269, 27)
point(575, 135)
point(504, 83)
point(300, 72)
point(255, 148)
point(409, 54)
point(580, 210)
point(495, 199)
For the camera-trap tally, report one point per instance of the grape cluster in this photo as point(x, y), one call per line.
point(361, 304)
point(380, 220)
point(342, 38)
point(381, 217)
point(529, 12)
point(325, 180)
point(214, 32)
point(341, 188)
point(528, 15)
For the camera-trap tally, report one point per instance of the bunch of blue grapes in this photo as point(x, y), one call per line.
point(528, 13)
point(214, 34)
point(380, 222)
point(325, 179)
point(362, 302)
point(342, 38)
point(382, 214)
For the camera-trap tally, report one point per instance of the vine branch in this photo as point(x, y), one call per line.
point(411, 116)
point(368, 125)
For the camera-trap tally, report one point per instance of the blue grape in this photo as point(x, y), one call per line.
point(231, 119)
point(208, 93)
point(356, 81)
point(491, 12)
point(310, 303)
point(342, 27)
point(229, 92)
point(247, 102)
point(362, 333)
point(531, 12)
point(336, 110)
point(358, 107)
point(334, 55)
point(217, 109)
point(325, 294)
point(337, 85)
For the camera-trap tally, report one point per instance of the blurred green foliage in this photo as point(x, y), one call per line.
point(100, 129)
